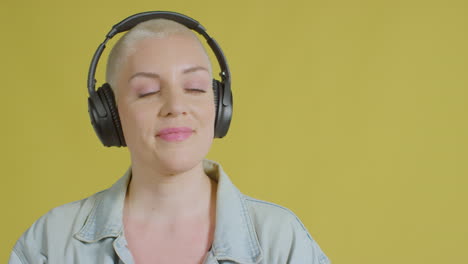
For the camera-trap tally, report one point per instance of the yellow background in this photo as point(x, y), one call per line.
point(351, 113)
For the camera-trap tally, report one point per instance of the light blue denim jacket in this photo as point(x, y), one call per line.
point(91, 231)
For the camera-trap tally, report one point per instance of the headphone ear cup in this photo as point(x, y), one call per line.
point(223, 112)
point(105, 117)
point(110, 98)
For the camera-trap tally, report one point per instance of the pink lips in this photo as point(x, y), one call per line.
point(175, 133)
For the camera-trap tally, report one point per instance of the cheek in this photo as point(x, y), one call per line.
point(203, 112)
point(209, 115)
point(134, 121)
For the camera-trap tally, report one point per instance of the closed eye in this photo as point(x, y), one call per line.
point(147, 94)
point(194, 90)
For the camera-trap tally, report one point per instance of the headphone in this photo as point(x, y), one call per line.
point(102, 107)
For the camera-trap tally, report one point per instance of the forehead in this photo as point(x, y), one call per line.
point(166, 52)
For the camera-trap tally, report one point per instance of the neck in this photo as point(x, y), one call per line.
point(154, 196)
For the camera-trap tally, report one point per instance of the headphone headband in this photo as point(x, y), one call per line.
point(131, 21)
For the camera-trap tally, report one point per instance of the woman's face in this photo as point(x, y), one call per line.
point(166, 105)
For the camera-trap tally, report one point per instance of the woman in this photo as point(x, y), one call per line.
point(172, 205)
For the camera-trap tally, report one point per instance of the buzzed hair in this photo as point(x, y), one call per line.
point(125, 46)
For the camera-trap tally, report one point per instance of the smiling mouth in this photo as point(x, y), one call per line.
point(175, 134)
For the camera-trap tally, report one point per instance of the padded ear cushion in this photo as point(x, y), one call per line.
point(215, 93)
point(216, 87)
point(115, 131)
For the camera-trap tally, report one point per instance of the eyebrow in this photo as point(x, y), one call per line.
point(196, 68)
point(156, 76)
point(145, 74)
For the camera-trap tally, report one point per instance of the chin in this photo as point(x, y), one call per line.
point(171, 159)
point(182, 158)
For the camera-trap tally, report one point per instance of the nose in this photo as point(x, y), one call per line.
point(173, 103)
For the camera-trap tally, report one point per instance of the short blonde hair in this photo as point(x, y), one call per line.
point(125, 46)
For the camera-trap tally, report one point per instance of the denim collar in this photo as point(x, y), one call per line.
point(234, 239)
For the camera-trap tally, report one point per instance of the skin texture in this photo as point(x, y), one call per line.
point(169, 211)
